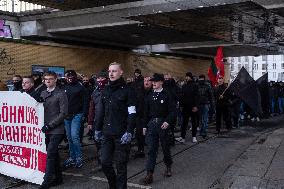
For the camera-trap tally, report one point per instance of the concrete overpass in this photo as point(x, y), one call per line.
point(179, 27)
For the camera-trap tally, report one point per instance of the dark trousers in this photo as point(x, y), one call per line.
point(139, 134)
point(194, 122)
point(154, 135)
point(53, 171)
point(112, 148)
point(225, 113)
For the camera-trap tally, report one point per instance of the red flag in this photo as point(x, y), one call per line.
point(219, 62)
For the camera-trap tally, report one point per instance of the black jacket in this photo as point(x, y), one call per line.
point(190, 95)
point(205, 93)
point(114, 118)
point(77, 99)
point(159, 105)
point(33, 93)
point(221, 102)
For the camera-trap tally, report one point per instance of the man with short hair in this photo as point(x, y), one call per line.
point(115, 127)
point(222, 106)
point(55, 109)
point(206, 99)
point(141, 91)
point(28, 87)
point(159, 114)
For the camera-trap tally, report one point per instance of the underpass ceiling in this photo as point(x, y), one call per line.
point(133, 35)
point(76, 4)
point(242, 23)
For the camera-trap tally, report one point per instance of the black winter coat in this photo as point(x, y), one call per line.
point(190, 96)
point(114, 116)
point(77, 99)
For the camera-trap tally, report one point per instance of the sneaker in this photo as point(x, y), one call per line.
point(194, 140)
point(69, 163)
point(257, 119)
point(242, 117)
point(180, 139)
point(78, 163)
point(190, 128)
point(198, 129)
point(253, 119)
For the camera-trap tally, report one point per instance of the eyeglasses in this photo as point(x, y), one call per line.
point(49, 79)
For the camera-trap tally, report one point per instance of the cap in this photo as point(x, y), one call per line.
point(157, 77)
point(71, 73)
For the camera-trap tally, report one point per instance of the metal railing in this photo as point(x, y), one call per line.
point(16, 6)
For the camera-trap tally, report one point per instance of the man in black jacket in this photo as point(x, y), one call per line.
point(206, 99)
point(28, 87)
point(222, 106)
point(116, 124)
point(159, 114)
point(189, 104)
point(141, 91)
point(55, 109)
point(77, 112)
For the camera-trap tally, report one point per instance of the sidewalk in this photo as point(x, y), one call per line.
point(261, 166)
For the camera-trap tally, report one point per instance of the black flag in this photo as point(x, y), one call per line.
point(251, 96)
point(242, 80)
point(263, 87)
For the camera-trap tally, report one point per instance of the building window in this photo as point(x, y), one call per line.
point(246, 66)
point(274, 57)
point(239, 59)
point(274, 66)
point(255, 66)
point(232, 67)
point(282, 58)
point(239, 67)
point(246, 58)
point(282, 65)
point(264, 66)
point(264, 58)
point(274, 74)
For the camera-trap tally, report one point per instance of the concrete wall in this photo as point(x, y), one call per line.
point(17, 58)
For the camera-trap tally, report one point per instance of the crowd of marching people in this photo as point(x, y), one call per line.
point(147, 108)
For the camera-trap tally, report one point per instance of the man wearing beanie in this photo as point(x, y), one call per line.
point(189, 104)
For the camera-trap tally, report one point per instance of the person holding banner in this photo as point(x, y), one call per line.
point(55, 110)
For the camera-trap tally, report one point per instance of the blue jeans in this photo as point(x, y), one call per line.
point(203, 111)
point(272, 105)
point(281, 104)
point(72, 128)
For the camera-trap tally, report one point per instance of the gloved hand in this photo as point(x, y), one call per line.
point(83, 119)
point(98, 136)
point(45, 128)
point(126, 138)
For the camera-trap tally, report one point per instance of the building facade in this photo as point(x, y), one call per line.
point(258, 66)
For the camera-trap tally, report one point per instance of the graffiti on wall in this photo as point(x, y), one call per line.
point(5, 30)
point(7, 62)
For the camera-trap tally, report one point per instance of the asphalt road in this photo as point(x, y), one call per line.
point(212, 163)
